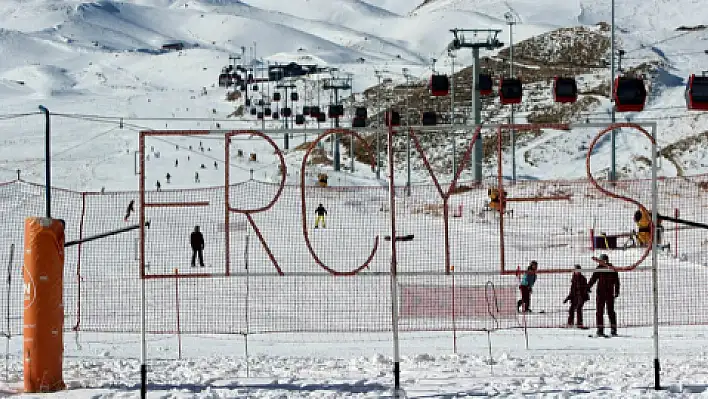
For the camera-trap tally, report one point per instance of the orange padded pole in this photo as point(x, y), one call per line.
point(43, 348)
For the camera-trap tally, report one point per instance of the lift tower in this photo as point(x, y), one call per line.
point(489, 43)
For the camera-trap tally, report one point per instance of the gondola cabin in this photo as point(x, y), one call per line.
point(630, 95)
point(393, 118)
point(299, 119)
point(276, 96)
point(276, 115)
point(360, 112)
point(358, 122)
point(287, 112)
point(335, 111)
point(439, 85)
point(314, 111)
point(306, 110)
point(565, 90)
point(485, 84)
point(429, 118)
point(224, 80)
point(267, 112)
point(510, 91)
point(254, 111)
point(248, 102)
point(294, 96)
point(254, 88)
point(321, 117)
point(259, 115)
point(697, 93)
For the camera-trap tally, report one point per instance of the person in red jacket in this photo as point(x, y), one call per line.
point(578, 295)
point(608, 288)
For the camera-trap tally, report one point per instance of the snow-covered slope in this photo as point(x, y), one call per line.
point(104, 58)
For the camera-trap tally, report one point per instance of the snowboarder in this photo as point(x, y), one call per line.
point(608, 288)
point(526, 287)
point(168, 177)
point(131, 208)
point(578, 295)
point(321, 212)
point(196, 239)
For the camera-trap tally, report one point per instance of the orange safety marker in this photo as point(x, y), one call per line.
point(43, 347)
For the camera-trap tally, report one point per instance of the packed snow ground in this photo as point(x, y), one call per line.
point(564, 363)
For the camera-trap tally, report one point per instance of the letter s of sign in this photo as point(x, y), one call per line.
point(619, 196)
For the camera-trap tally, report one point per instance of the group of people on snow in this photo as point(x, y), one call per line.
point(608, 288)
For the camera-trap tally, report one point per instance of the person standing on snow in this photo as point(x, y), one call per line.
point(526, 287)
point(608, 288)
point(578, 295)
point(196, 239)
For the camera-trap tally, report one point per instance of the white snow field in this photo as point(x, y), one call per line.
point(238, 329)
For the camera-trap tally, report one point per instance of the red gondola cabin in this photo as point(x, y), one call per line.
point(629, 94)
point(429, 118)
point(510, 91)
point(697, 93)
point(485, 84)
point(393, 118)
point(565, 90)
point(439, 85)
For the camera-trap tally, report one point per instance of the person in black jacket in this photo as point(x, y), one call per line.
point(608, 288)
point(196, 239)
point(321, 212)
point(578, 295)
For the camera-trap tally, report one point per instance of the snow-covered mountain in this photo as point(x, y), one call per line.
point(97, 62)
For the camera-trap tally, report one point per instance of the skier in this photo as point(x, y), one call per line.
point(158, 185)
point(526, 287)
point(608, 287)
point(196, 239)
point(196, 177)
point(131, 208)
point(578, 295)
point(176, 162)
point(216, 165)
point(321, 212)
point(168, 177)
point(495, 200)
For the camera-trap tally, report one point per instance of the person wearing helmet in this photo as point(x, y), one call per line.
point(608, 288)
point(321, 212)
